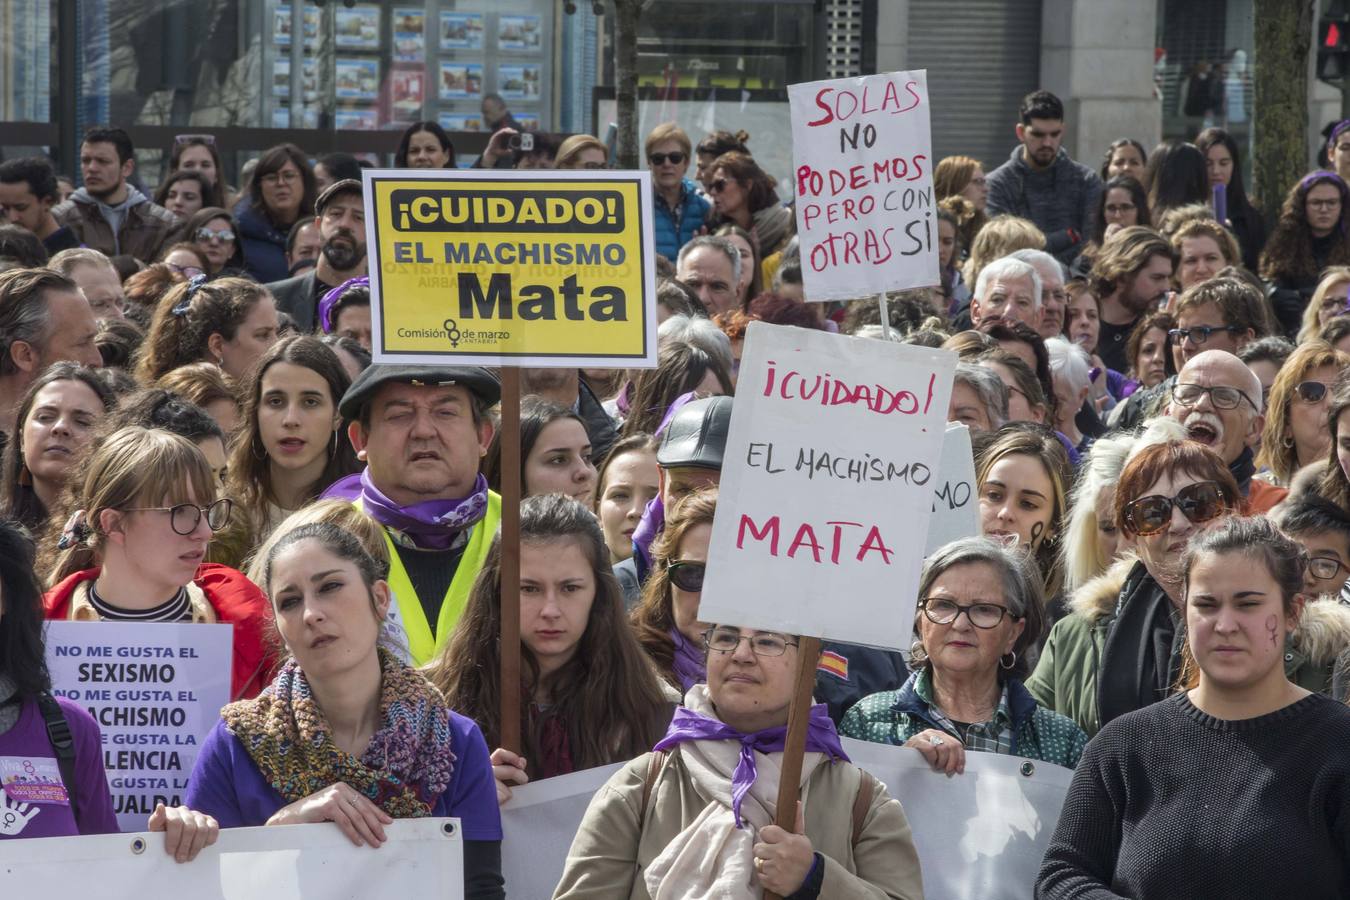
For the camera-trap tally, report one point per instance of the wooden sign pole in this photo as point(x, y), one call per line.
point(799, 716)
point(510, 545)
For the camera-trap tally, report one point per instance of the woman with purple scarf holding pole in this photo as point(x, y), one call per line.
point(694, 818)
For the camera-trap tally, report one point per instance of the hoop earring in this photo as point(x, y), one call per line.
point(1007, 666)
point(332, 452)
point(1287, 442)
point(253, 449)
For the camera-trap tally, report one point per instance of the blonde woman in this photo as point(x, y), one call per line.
point(1000, 236)
point(147, 508)
point(1296, 431)
point(581, 151)
point(1328, 302)
point(963, 176)
point(1091, 539)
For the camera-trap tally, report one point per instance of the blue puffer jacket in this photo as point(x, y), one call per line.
point(693, 213)
point(263, 245)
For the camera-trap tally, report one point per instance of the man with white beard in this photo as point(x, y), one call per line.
point(1219, 400)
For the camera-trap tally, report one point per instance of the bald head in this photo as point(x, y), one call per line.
point(1225, 431)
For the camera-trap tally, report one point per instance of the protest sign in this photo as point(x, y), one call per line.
point(864, 185)
point(828, 485)
point(421, 858)
point(511, 268)
point(956, 508)
point(155, 690)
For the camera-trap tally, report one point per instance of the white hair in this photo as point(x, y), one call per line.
point(1007, 267)
point(1043, 262)
point(697, 332)
point(1069, 362)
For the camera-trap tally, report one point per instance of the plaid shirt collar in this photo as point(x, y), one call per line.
point(994, 736)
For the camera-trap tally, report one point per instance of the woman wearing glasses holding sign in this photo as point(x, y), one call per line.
point(147, 508)
point(1296, 433)
point(282, 190)
point(695, 817)
point(980, 608)
point(1120, 647)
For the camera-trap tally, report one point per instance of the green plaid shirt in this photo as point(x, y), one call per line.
point(993, 736)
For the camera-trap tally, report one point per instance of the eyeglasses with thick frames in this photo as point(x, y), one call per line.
point(1326, 567)
point(1199, 502)
point(185, 517)
point(941, 611)
point(1200, 333)
point(1331, 204)
point(762, 643)
point(1222, 396)
point(687, 576)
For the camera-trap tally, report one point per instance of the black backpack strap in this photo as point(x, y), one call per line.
point(63, 742)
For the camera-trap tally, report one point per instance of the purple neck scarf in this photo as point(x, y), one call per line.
point(431, 524)
point(690, 666)
point(688, 725)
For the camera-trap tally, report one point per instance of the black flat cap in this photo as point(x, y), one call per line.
point(335, 190)
point(697, 435)
point(482, 383)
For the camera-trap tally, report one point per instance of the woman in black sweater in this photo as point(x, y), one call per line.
point(1237, 787)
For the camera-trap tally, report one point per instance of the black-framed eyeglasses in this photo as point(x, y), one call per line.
point(687, 576)
point(1222, 396)
point(676, 158)
point(724, 639)
point(1310, 391)
point(1199, 334)
point(1335, 305)
point(1326, 567)
point(1199, 502)
point(941, 611)
point(185, 517)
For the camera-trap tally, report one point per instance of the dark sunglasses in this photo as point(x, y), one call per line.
point(687, 576)
point(1310, 391)
point(1199, 502)
point(659, 159)
point(718, 186)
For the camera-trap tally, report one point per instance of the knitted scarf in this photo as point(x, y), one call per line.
point(406, 766)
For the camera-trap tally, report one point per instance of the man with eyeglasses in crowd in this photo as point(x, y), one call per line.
point(28, 194)
point(108, 214)
point(680, 209)
point(1218, 400)
point(340, 215)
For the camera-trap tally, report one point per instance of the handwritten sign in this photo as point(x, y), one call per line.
point(511, 268)
point(956, 508)
point(864, 184)
point(828, 485)
point(155, 690)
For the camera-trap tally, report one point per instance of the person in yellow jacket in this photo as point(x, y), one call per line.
point(422, 431)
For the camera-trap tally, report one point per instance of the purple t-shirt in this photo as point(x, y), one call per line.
point(227, 784)
point(33, 798)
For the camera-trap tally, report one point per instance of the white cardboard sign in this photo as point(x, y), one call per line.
point(155, 689)
point(863, 180)
point(956, 508)
point(827, 485)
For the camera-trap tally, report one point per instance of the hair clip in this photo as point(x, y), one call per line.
point(331, 298)
point(181, 307)
point(76, 531)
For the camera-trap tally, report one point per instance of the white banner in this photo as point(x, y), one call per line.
point(828, 486)
point(864, 185)
point(423, 858)
point(980, 835)
point(956, 508)
point(155, 689)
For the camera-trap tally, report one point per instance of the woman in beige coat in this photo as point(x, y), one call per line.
point(694, 818)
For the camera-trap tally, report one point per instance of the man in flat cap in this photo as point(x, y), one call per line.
point(422, 431)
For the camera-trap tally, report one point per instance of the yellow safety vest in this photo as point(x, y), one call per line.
point(422, 644)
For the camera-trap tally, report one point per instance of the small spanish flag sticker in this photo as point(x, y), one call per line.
point(835, 664)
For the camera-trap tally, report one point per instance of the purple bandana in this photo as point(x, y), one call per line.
point(330, 299)
point(654, 516)
point(690, 666)
point(431, 524)
point(688, 725)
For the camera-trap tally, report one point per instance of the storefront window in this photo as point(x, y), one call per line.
point(1203, 68)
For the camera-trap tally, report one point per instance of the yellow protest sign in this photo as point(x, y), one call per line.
point(503, 267)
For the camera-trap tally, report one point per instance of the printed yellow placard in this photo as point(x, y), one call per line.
point(511, 268)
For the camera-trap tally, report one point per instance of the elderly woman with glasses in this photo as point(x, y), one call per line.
point(980, 607)
point(1119, 649)
point(1296, 432)
point(695, 817)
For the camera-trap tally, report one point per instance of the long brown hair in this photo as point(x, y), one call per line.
point(1334, 485)
point(607, 696)
point(1278, 452)
point(187, 316)
point(653, 617)
point(1288, 254)
point(680, 368)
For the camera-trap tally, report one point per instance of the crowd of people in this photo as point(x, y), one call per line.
point(1157, 384)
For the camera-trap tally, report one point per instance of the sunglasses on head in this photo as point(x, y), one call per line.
point(1199, 502)
point(1310, 391)
point(207, 139)
point(659, 159)
point(687, 576)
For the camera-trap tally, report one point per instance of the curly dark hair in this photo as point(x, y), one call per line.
point(1288, 255)
point(219, 307)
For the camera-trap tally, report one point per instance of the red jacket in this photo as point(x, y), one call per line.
point(235, 601)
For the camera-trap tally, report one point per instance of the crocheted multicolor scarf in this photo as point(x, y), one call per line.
point(405, 768)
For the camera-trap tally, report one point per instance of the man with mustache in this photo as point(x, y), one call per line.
point(1218, 399)
point(340, 216)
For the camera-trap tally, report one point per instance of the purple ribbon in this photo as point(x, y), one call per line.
point(431, 524)
point(688, 725)
point(690, 665)
point(330, 299)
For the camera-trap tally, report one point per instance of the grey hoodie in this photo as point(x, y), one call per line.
point(1062, 200)
point(113, 214)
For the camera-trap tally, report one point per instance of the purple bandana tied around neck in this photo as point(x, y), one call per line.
point(431, 524)
point(690, 666)
point(688, 725)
